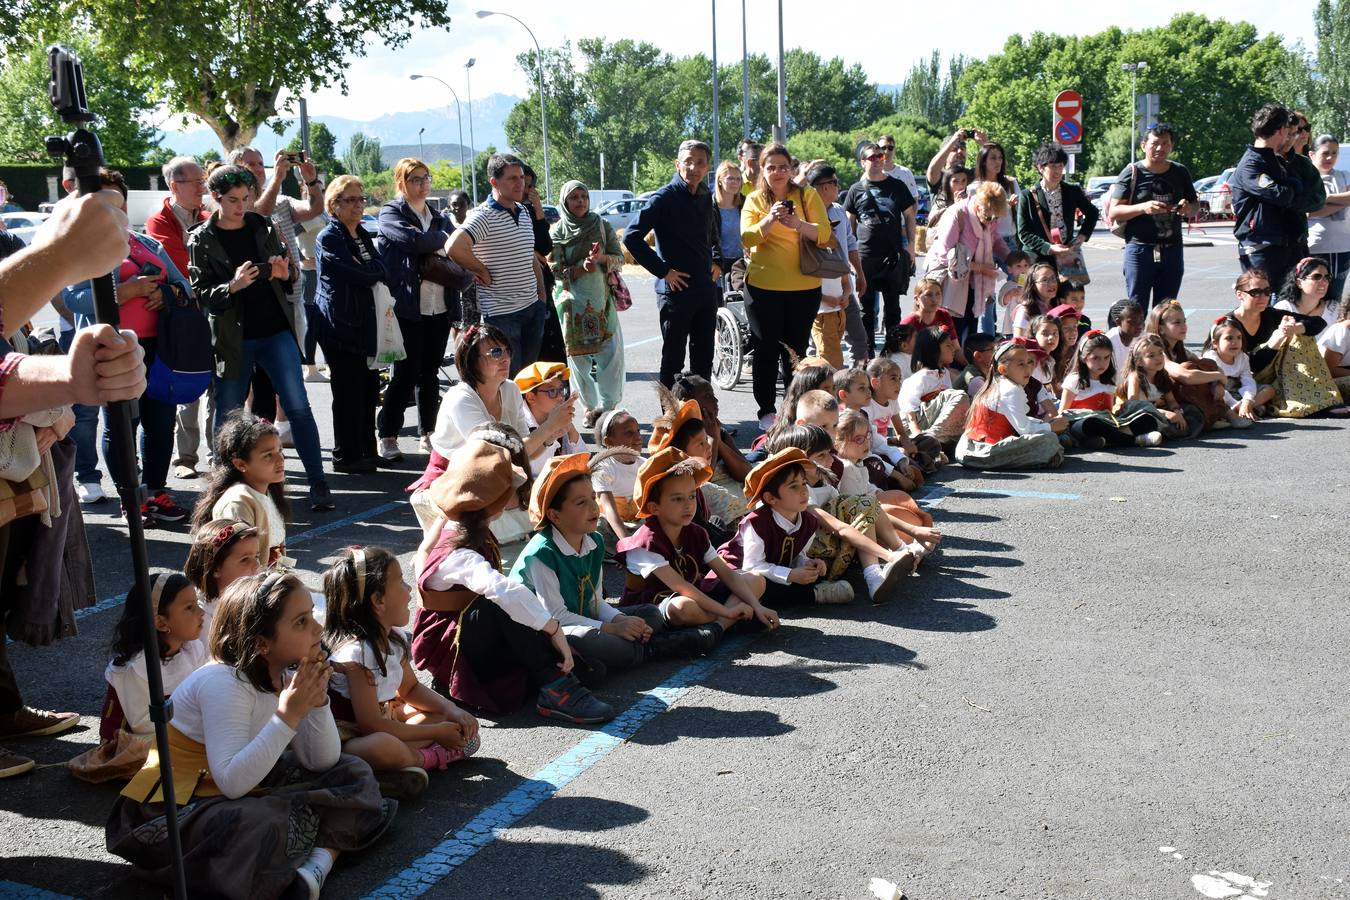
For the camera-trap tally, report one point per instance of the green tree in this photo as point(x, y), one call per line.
point(211, 155)
point(824, 95)
point(117, 97)
point(229, 63)
point(447, 177)
point(1330, 90)
point(916, 139)
point(159, 156)
point(322, 149)
point(930, 94)
point(363, 155)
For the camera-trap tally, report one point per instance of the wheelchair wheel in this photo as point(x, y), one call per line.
point(728, 350)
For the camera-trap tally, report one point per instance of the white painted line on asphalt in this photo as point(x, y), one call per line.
point(650, 340)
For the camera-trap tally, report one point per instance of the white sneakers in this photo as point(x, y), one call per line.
point(315, 376)
point(884, 581)
point(424, 444)
point(389, 449)
point(284, 434)
point(831, 593)
point(767, 421)
point(1152, 439)
point(89, 492)
point(314, 870)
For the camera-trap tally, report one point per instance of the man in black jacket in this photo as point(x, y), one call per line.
point(686, 262)
point(1265, 193)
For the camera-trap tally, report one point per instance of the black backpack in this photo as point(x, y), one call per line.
point(184, 359)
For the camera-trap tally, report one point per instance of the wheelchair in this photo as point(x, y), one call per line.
point(731, 339)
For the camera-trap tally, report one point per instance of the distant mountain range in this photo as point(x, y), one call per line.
point(489, 128)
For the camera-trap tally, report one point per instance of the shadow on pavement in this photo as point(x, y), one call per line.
point(792, 679)
point(858, 650)
point(563, 871)
point(100, 879)
point(946, 615)
point(1082, 464)
point(709, 722)
point(585, 814)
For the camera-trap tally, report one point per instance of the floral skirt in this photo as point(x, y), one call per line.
point(1303, 383)
point(856, 510)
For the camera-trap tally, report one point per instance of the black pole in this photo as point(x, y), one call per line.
point(84, 155)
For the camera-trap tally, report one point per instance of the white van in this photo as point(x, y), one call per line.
point(600, 198)
point(141, 205)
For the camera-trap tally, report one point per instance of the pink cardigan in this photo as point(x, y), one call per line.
point(960, 224)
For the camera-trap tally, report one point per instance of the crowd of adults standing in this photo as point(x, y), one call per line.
point(277, 276)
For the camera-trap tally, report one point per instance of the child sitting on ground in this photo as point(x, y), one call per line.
point(861, 512)
point(980, 352)
point(1244, 397)
point(544, 388)
point(223, 551)
point(562, 564)
point(1010, 293)
point(256, 760)
point(908, 522)
point(1145, 381)
point(1042, 388)
point(1000, 434)
point(125, 725)
point(385, 715)
point(1126, 318)
point(928, 404)
point(486, 639)
point(1038, 298)
point(1074, 294)
point(684, 426)
point(248, 484)
point(900, 460)
point(614, 473)
point(670, 561)
point(774, 540)
point(898, 346)
point(1088, 399)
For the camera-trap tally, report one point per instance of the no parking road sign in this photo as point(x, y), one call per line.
point(1067, 115)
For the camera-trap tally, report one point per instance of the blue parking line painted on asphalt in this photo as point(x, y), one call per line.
point(434, 865)
point(12, 890)
point(108, 603)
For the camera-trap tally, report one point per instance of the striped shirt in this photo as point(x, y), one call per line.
point(503, 241)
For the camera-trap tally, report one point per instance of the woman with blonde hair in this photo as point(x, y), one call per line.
point(961, 255)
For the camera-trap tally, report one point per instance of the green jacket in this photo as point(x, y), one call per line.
point(211, 271)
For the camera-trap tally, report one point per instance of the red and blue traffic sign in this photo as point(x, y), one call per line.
point(1068, 131)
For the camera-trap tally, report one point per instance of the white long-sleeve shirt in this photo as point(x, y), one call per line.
point(133, 690)
point(1010, 399)
point(469, 569)
point(919, 385)
point(462, 410)
point(755, 559)
point(1241, 369)
point(244, 736)
point(546, 584)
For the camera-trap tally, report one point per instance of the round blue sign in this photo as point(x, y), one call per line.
point(1068, 131)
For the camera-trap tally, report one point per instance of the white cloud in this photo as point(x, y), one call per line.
point(378, 83)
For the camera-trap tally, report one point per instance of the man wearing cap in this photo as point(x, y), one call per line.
point(544, 387)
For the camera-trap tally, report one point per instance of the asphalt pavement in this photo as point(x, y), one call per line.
point(1122, 678)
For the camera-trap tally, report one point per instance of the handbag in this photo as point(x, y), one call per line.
point(1117, 226)
point(955, 263)
point(26, 497)
point(440, 269)
point(1070, 263)
point(618, 291)
point(829, 261)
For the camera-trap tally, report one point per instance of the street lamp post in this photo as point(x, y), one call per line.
point(459, 118)
point(473, 154)
point(1134, 69)
point(717, 115)
point(421, 150)
point(543, 110)
point(745, 77)
point(780, 130)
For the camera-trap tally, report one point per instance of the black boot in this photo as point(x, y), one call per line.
point(684, 641)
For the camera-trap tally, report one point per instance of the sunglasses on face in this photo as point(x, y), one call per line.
point(821, 184)
point(875, 157)
point(1258, 292)
point(497, 353)
point(1317, 276)
point(885, 148)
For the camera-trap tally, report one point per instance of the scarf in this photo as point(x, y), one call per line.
point(573, 234)
point(984, 254)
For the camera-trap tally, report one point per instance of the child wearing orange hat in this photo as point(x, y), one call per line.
point(774, 540)
point(544, 388)
point(486, 638)
point(670, 560)
point(563, 563)
point(686, 430)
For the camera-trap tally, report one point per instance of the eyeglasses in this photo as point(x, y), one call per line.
point(1317, 276)
point(1046, 279)
point(350, 200)
point(858, 438)
point(988, 217)
point(821, 184)
point(418, 179)
point(885, 148)
point(778, 168)
point(200, 182)
point(1257, 292)
point(497, 353)
point(552, 393)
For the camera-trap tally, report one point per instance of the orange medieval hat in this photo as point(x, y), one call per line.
point(558, 472)
point(665, 464)
point(759, 476)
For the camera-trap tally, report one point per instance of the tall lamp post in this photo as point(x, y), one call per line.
point(421, 150)
point(458, 118)
point(745, 77)
point(1134, 69)
point(780, 130)
point(717, 114)
point(543, 111)
point(473, 154)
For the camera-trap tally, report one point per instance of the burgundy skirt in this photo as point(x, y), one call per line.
point(435, 648)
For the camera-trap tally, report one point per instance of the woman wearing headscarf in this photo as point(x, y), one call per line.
point(585, 250)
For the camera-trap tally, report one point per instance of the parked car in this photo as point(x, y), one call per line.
point(551, 213)
point(1097, 189)
point(1217, 197)
point(922, 203)
point(618, 213)
point(23, 224)
point(370, 223)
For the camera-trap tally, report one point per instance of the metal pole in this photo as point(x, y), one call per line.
point(780, 130)
point(304, 127)
point(602, 170)
point(1134, 116)
point(745, 77)
point(473, 155)
point(717, 115)
point(421, 150)
point(543, 112)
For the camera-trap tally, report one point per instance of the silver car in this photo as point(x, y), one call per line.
point(618, 213)
point(23, 224)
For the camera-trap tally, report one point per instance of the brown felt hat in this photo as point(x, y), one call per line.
point(759, 476)
point(478, 476)
point(664, 464)
point(558, 472)
point(689, 411)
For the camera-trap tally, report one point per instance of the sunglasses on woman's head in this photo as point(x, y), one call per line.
point(241, 177)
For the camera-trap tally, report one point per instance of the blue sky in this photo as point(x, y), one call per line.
point(379, 82)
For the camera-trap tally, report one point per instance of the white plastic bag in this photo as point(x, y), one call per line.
point(388, 337)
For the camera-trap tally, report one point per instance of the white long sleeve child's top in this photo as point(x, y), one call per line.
point(1237, 374)
point(133, 689)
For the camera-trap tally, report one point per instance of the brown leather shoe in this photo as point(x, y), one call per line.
point(29, 722)
point(12, 764)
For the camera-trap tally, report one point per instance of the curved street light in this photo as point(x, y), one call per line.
point(539, 65)
point(458, 116)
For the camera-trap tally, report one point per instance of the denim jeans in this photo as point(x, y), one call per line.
point(84, 433)
point(524, 330)
point(1148, 281)
point(279, 357)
